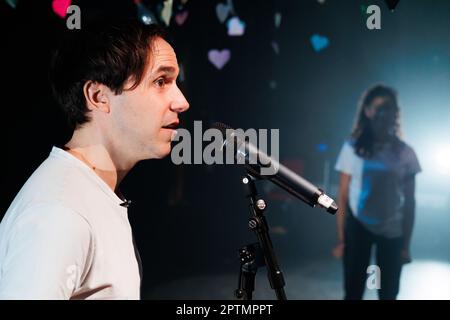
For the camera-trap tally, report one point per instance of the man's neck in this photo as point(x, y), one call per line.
point(101, 159)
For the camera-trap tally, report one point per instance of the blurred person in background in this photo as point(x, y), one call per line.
point(376, 196)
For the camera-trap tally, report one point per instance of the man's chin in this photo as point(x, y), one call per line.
point(164, 151)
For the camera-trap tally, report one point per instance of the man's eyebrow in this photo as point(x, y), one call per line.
point(166, 69)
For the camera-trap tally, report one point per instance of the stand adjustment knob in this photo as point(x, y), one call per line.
point(261, 204)
point(252, 223)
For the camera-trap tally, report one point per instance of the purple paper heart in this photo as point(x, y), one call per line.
point(275, 47)
point(219, 58)
point(181, 17)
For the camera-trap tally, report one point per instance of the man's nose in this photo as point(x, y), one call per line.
point(179, 103)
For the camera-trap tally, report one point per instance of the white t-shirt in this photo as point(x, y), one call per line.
point(65, 236)
point(376, 188)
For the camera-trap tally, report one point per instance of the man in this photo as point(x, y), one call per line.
point(67, 235)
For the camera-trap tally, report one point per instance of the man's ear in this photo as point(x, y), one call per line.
point(96, 95)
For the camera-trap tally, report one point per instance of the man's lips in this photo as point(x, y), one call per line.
point(173, 125)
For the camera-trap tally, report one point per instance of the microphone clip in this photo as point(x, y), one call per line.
point(126, 203)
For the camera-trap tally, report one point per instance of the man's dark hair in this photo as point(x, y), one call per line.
point(105, 52)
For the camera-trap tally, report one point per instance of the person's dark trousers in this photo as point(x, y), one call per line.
point(357, 252)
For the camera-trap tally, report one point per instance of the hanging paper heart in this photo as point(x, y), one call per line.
point(219, 58)
point(181, 17)
point(60, 7)
point(236, 27)
point(273, 85)
point(181, 74)
point(166, 12)
point(322, 147)
point(222, 11)
point(277, 19)
point(319, 42)
point(12, 3)
point(275, 47)
point(364, 12)
point(392, 4)
point(364, 9)
point(231, 5)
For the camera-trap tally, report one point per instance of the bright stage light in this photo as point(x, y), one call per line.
point(442, 159)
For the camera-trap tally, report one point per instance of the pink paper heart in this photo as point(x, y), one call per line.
point(60, 7)
point(219, 58)
point(181, 17)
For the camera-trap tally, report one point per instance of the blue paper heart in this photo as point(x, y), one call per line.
point(222, 11)
point(319, 42)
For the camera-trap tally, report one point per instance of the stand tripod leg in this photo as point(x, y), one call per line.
point(247, 273)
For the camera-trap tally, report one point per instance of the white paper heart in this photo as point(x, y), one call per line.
point(166, 12)
point(236, 27)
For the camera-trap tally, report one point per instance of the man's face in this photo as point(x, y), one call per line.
point(145, 118)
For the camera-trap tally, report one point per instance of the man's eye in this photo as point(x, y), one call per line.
point(160, 82)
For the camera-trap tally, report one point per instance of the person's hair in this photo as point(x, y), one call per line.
point(362, 135)
point(105, 52)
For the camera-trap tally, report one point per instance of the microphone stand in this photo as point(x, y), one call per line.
point(248, 254)
point(247, 273)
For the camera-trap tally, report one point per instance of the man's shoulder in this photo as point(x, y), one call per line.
point(46, 181)
point(55, 184)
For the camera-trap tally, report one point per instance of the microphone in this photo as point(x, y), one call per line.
point(285, 178)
